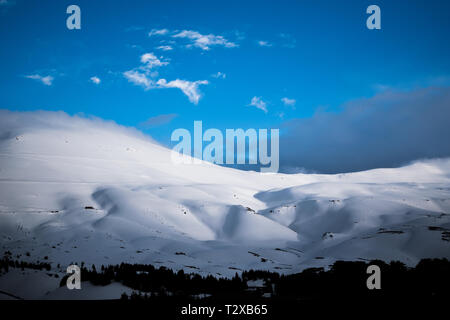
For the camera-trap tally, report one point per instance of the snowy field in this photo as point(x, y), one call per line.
point(75, 189)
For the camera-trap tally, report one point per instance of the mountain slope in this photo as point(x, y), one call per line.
point(77, 189)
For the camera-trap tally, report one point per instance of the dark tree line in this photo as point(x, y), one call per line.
point(7, 262)
point(430, 278)
point(147, 278)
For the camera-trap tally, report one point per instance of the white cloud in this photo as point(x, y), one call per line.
point(219, 75)
point(139, 79)
point(47, 80)
point(264, 43)
point(158, 32)
point(204, 42)
point(259, 103)
point(150, 61)
point(145, 77)
point(165, 48)
point(288, 102)
point(142, 76)
point(95, 80)
point(189, 88)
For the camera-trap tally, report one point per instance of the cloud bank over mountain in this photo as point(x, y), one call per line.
point(387, 130)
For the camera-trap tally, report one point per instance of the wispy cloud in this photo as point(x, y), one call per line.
point(219, 75)
point(47, 80)
point(95, 80)
point(150, 61)
point(138, 78)
point(158, 32)
point(189, 88)
point(165, 48)
point(195, 39)
point(259, 103)
point(204, 42)
point(158, 120)
point(288, 102)
point(144, 77)
point(262, 43)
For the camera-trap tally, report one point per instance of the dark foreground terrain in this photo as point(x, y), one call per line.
point(257, 293)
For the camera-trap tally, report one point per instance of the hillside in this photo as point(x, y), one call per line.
point(74, 189)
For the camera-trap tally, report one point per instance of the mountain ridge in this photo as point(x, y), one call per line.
point(79, 189)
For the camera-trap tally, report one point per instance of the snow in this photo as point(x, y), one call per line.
point(255, 283)
point(145, 209)
point(28, 284)
point(41, 285)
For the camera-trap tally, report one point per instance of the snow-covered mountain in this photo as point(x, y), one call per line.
point(77, 189)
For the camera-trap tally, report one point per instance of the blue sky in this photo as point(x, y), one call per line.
point(293, 58)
